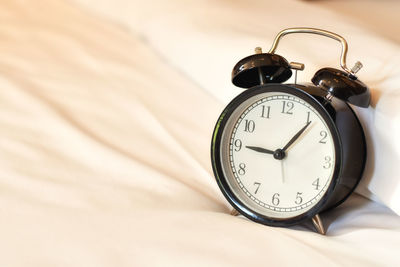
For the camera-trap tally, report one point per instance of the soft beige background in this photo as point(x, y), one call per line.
point(379, 16)
point(204, 39)
point(107, 110)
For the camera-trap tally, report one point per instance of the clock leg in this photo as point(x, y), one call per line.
point(234, 212)
point(316, 220)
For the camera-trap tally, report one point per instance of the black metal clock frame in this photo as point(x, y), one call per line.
point(349, 144)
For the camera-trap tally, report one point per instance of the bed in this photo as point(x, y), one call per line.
point(107, 110)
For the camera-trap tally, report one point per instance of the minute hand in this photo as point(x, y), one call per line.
point(294, 138)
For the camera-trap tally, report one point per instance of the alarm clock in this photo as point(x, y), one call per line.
point(284, 153)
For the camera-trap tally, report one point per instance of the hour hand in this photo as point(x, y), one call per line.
point(260, 149)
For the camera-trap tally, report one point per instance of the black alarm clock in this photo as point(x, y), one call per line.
point(284, 153)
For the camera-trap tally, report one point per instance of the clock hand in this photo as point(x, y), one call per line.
point(260, 149)
point(294, 138)
point(282, 172)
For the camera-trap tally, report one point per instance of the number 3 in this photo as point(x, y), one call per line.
point(328, 163)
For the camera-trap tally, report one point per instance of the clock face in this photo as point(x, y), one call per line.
point(278, 154)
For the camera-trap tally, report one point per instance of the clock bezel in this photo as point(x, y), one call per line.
point(217, 164)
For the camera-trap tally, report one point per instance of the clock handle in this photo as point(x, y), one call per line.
point(325, 33)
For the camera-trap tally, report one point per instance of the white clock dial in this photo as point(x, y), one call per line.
point(278, 154)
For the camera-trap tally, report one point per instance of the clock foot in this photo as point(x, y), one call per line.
point(234, 212)
point(316, 220)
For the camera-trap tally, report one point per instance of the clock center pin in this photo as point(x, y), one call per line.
point(279, 154)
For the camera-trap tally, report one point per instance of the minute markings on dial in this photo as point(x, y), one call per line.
point(247, 182)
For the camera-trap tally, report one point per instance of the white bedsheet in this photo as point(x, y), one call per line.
point(205, 39)
point(102, 165)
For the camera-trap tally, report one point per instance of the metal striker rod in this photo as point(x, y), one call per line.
point(261, 77)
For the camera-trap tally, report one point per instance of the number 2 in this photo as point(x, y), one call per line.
point(324, 134)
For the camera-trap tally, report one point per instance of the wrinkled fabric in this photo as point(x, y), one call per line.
point(104, 155)
point(205, 43)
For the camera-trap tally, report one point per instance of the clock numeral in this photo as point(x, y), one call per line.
point(238, 144)
point(316, 184)
point(249, 126)
point(287, 107)
point(308, 116)
point(242, 169)
point(324, 134)
point(328, 162)
point(275, 199)
point(299, 199)
point(265, 111)
point(258, 186)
